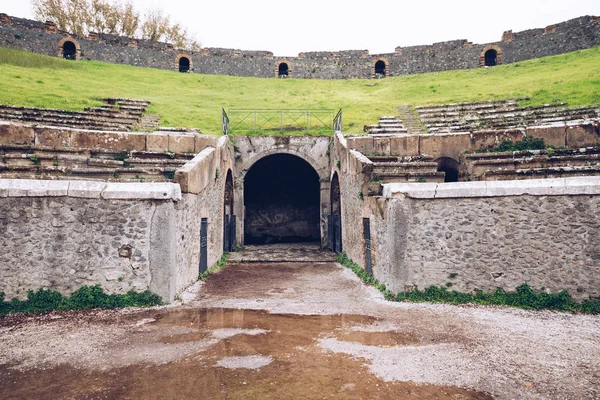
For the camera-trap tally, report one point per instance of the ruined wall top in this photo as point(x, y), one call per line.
point(44, 38)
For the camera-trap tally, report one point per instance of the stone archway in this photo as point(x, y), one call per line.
point(450, 167)
point(184, 63)
point(490, 56)
point(69, 49)
point(282, 201)
point(381, 68)
point(282, 69)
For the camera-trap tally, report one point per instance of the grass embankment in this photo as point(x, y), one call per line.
point(524, 297)
point(85, 298)
point(194, 100)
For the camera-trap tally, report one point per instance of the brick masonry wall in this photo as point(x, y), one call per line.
point(576, 34)
point(548, 241)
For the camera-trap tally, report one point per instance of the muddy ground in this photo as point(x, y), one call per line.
point(299, 330)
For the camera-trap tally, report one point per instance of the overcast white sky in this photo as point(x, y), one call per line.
point(289, 27)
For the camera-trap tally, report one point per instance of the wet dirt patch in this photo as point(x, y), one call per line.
point(381, 339)
point(298, 367)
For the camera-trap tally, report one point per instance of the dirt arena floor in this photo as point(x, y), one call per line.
point(299, 330)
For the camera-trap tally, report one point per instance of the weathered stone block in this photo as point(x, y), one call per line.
point(181, 143)
point(112, 141)
point(16, 134)
point(582, 136)
point(158, 142)
point(483, 140)
point(196, 174)
point(555, 136)
point(52, 137)
point(363, 145)
point(381, 146)
point(404, 146)
point(86, 189)
point(514, 135)
point(142, 191)
point(35, 188)
point(204, 141)
point(445, 145)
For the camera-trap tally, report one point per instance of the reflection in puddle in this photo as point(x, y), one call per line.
point(249, 355)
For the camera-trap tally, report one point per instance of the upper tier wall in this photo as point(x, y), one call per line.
point(37, 37)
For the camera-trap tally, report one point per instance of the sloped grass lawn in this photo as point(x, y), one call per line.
point(194, 100)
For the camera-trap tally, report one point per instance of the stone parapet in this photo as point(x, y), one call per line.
point(587, 185)
point(90, 189)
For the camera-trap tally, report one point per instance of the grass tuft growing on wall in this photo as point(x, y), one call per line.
point(195, 100)
point(85, 298)
point(524, 297)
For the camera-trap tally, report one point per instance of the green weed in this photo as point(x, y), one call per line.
point(524, 297)
point(85, 298)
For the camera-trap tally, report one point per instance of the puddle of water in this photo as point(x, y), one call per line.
point(381, 339)
point(283, 348)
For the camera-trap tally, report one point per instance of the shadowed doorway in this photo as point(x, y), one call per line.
point(282, 200)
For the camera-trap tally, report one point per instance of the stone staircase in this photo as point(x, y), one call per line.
point(115, 115)
point(497, 115)
point(41, 162)
point(407, 169)
point(533, 164)
point(411, 119)
point(386, 126)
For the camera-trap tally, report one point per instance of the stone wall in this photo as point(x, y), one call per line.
point(484, 235)
point(354, 171)
point(62, 235)
point(576, 34)
point(202, 182)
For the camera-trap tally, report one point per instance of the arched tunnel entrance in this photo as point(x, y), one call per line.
point(282, 201)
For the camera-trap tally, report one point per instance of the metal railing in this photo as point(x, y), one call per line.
point(267, 121)
point(225, 122)
point(337, 122)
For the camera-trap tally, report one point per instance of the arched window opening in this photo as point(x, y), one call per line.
point(282, 201)
point(184, 64)
point(282, 71)
point(450, 167)
point(229, 220)
point(69, 50)
point(336, 207)
point(380, 69)
point(228, 200)
point(491, 58)
point(335, 219)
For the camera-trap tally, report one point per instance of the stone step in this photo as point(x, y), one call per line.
point(388, 130)
point(539, 173)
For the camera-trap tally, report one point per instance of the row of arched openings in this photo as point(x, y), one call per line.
point(69, 49)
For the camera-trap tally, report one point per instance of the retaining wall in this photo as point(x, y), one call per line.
point(484, 235)
point(576, 34)
point(62, 235)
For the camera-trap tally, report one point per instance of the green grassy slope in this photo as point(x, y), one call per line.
point(194, 100)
